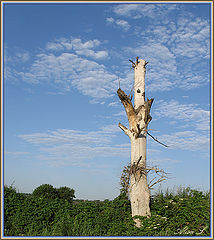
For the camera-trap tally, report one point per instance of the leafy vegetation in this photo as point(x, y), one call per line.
point(54, 212)
point(49, 192)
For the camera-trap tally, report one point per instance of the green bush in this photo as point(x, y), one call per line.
point(65, 193)
point(185, 213)
point(12, 203)
point(46, 191)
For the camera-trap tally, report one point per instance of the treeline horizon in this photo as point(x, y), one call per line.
point(172, 190)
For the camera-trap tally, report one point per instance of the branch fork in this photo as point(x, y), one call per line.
point(135, 116)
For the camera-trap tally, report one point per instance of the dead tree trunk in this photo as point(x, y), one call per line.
point(139, 118)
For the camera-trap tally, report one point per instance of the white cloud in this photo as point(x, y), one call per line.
point(78, 47)
point(178, 53)
point(190, 114)
point(70, 147)
point(65, 64)
point(110, 20)
point(124, 25)
point(113, 104)
point(126, 9)
point(66, 70)
point(17, 153)
point(112, 128)
point(11, 60)
point(91, 53)
point(185, 37)
point(177, 48)
point(80, 148)
point(22, 56)
point(157, 161)
point(53, 46)
point(191, 39)
point(161, 68)
point(136, 11)
point(186, 140)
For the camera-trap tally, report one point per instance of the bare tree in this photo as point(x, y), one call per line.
point(139, 118)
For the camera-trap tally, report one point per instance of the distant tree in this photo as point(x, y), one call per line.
point(66, 193)
point(46, 191)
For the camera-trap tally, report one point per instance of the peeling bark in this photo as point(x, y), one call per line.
point(139, 118)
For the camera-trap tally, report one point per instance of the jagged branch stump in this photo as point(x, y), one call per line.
point(135, 116)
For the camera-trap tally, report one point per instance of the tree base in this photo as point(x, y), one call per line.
point(138, 223)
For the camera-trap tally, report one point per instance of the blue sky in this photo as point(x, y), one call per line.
point(62, 65)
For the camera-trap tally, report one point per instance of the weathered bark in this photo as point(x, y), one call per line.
point(139, 118)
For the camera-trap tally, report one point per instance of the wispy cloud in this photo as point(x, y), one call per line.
point(110, 20)
point(190, 114)
point(78, 47)
point(124, 25)
point(191, 38)
point(162, 65)
point(177, 51)
point(113, 104)
point(178, 54)
point(20, 56)
point(66, 70)
point(186, 140)
point(177, 48)
point(136, 11)
point(156, 161)
point(112, 128)
point(80, 148)
point(17, 153)
point(71, 147)
point(65, 64)
point(23, 56)
point(194, 121)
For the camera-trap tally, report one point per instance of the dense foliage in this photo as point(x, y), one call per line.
point(53, 212)
point(49, 192)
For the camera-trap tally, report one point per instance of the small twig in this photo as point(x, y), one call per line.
point(133, 64)
point(152, 180)
point(159, 177)
point(158, 181)
point(156, 139)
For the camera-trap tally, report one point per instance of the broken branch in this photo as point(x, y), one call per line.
point(125, 129)
point(156, 139)
point(133, 64)
point(132, 117)
point(148, 105)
